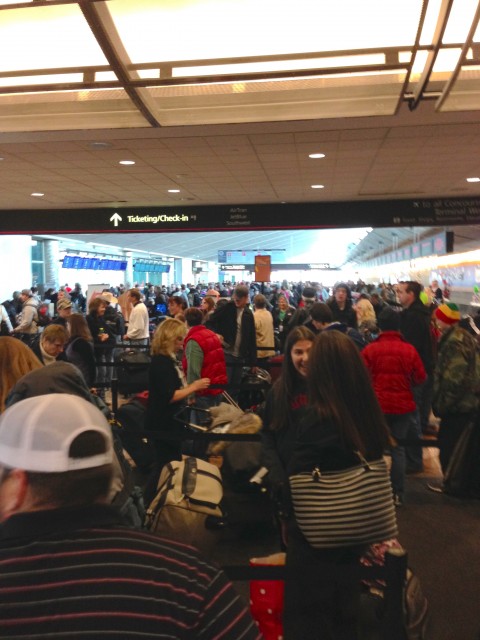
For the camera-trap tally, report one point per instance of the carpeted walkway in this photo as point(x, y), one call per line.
point(442, 536)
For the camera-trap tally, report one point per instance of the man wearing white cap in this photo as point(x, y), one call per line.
point(70, 567)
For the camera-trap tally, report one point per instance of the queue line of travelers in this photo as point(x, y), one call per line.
point(319, 375)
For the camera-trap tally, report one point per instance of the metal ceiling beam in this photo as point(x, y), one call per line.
point(134, 86)
point(416, 48)
point(440, 27)
point(103, 28)
point(455, 73)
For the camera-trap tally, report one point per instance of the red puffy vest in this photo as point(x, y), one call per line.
point(213, 366)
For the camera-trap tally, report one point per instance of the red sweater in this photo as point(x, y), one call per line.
point(213, 365)
point(395, 367)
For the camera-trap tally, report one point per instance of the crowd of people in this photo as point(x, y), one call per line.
point(362, 368)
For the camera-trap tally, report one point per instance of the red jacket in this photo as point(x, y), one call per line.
point(213, 366)
point(395, 367)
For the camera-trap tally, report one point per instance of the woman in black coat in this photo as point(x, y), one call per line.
point(103, 340)
point(285, 406)
point(167, 394)
point(343, 417)
point(79, 348)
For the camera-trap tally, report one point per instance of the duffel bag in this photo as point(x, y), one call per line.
point(132, 366)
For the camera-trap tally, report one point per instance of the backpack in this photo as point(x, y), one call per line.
point(187, 505)
point(129, 500)
point(130, 427)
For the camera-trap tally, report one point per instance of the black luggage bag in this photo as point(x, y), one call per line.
point(130, 429)
point(132, 367)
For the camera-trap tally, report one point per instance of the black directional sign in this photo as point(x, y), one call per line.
point(373, 213)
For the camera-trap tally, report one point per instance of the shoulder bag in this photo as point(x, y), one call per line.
point(345, 508)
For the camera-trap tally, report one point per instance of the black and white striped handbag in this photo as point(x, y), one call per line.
point(345, 508)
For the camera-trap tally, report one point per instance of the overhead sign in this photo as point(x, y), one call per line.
point(320, 215)
point(236, 267)
point(85, 262)
point(262, 268)
point(438, 244)
point(277, 267)
point(235, 256)
point(152, 267)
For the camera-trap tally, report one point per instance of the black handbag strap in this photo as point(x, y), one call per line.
point(317, 472)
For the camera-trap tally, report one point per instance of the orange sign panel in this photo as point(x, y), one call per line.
point(262, 268)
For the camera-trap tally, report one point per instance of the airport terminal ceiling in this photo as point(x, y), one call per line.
point(382, 120)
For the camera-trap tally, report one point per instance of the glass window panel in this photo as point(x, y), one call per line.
point(430, 21)
point(46, 37)
point(148, 74)
point(105, 76)
point(419, 63)
point(281, 65)
point(37, 251)
point(27, 81)
point(232, 28)
point(465, 93)
point(404, 57)
point(446, 60)
point(459, 21)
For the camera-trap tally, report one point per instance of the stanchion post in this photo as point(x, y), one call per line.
point(114, 390)
point(396, 575)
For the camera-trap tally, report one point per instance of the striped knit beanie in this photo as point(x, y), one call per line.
point(448, 313)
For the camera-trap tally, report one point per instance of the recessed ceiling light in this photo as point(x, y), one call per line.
point(473, 179)
point(174, 191)
point(100, 145)
point(318, 186)
point(127, 162)
point(37, 194)
point(316, 155)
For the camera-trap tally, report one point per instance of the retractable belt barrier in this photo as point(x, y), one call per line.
point(393, 573)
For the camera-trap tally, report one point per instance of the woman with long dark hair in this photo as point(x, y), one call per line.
point(103, 342)
point(79, 348)
point(343, 417)
point(284, 407)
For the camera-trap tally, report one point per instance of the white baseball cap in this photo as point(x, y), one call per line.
point(36, 434)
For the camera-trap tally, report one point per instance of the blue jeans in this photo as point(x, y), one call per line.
point(234, 373)
point(399, 425)
point(415, 453)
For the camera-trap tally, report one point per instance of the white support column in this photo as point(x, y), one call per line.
point(51, 253)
